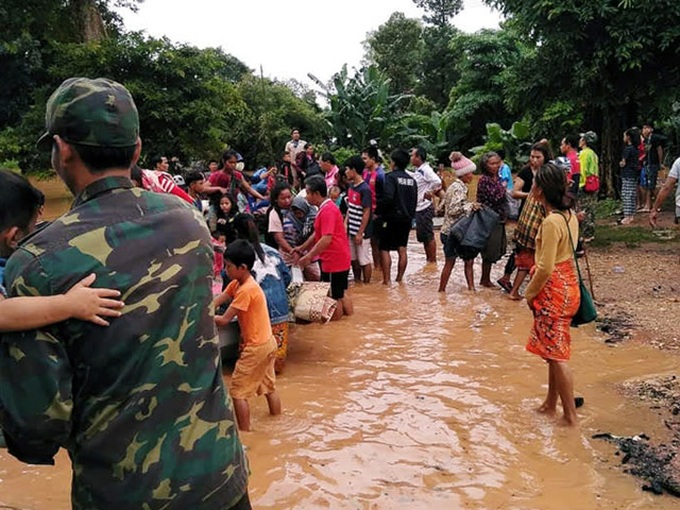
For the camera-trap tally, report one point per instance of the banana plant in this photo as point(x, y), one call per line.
point(360, 107)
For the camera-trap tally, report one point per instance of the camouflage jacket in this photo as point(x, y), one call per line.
point(140, 405)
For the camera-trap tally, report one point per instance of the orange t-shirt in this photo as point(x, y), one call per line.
point(251, 310)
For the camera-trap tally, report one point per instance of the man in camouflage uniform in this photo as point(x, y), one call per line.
point(140, 405)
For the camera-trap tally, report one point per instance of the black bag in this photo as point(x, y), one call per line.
point(586, 309)
point(473, 231)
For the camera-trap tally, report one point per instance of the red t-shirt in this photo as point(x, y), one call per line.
point(574, 163)
point(222, 179)
point(336, 257)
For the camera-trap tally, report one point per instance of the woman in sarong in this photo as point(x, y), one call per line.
point(553, 294)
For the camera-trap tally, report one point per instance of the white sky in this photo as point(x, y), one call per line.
point(289, 39)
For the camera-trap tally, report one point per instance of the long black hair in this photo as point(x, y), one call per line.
point(552, 180)
point(247, 229)
point(278, 188)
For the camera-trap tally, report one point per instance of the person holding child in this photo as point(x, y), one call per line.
point(254, 370)
point(20, 204)
point(152, 376)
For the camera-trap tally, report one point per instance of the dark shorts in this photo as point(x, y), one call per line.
point(449, 249)
point(339, 282)
point(652, 173)
point(453, 250)
point(424, 226)
point(394, 234)
point(377, 229)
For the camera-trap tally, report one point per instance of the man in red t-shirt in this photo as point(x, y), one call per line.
point(330, 243)
point(228, 180)
point(569, 147)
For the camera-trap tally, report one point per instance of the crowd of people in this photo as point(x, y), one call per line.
point(127, 376)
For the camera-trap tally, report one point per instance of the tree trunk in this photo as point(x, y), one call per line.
point(88, 20)
point(612, 132)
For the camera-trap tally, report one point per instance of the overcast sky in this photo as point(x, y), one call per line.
point(289, 39)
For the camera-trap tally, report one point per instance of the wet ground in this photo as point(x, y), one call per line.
point(423, 400)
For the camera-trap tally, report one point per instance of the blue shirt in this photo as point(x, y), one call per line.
point(3, 291)
point(505, 176)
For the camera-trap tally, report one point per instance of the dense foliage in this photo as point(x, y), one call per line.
point(193, 103)
point(553, 68)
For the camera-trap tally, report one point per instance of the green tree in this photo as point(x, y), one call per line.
point(271, 110)
point(361, 107)
point(597, 55)
point(439, 65)
point(439, 12)
point(188, 98)
point(478, 96)
point(396, 49)
point(438, 68)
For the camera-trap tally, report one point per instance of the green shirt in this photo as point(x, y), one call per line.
point(140, 405)
point(589, 164)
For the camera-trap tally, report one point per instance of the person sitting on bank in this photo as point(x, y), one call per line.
point(330, 243)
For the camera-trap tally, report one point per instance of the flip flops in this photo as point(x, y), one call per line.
point(505, 285)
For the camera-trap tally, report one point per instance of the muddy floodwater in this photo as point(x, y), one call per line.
point(425, 401)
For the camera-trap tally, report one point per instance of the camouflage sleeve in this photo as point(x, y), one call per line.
point(35, 376)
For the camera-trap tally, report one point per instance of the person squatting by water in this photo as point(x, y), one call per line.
point(157, 386)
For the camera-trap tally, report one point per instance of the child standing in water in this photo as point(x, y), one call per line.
point(254, 371)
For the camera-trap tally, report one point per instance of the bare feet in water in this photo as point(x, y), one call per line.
point(567, 422)
point(548, 410)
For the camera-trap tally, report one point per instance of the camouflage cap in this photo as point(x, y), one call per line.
point(96, 113)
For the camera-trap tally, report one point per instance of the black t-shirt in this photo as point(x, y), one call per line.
point(527, 176)
point(630, 156)
point(651, 146)
point(400, 196)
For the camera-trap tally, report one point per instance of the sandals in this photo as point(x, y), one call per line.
point(505, 285)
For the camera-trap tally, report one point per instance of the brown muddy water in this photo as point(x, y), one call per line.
point(425, 401)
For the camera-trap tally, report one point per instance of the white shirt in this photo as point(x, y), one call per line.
point(675, 174)
point(427, 181)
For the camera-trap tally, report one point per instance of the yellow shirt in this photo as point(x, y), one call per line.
point(553, 246)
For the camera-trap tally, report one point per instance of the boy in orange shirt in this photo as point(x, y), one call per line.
point(254, 371)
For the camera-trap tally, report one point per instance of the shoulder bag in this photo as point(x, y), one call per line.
point(586, 310)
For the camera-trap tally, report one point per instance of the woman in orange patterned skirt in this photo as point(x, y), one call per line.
point(553, 294)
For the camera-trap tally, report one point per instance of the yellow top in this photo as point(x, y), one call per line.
point(552, 247)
